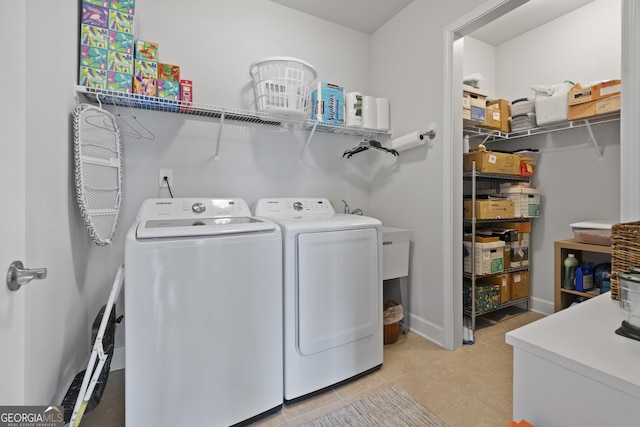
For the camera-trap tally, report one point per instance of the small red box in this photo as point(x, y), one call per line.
point(186, 93)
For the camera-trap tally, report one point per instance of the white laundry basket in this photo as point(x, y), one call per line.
point(283, 85)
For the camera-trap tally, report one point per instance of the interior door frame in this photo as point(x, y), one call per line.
point(452, 135)
point(13, 326)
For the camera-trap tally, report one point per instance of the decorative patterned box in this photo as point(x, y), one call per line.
point(93, 57)
point(120, 42)
point(146, 68)
point(119, 82)
point(120, 62)
point(145, 85)
point(125, 6)
point(93, 77)
point(169, 72)
point(147, 51)
point(122, 22)
point(168, 89)
point(95, 15)
point(487, 297)
point(93, 36)
point(101, 3)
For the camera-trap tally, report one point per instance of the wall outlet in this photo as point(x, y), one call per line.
point(161, 174)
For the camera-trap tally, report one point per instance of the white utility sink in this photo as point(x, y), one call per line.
point(395, 252)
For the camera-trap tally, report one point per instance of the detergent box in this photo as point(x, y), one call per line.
point(120, 62)
point(93, 57)
point(328, 103)
point(122, 22)
point(119, 82)
point(93, 36)
point(145, 68)
point(147, 51)
point(169, 72)
point(124, 6)
point(120, 42)
point(95, 15)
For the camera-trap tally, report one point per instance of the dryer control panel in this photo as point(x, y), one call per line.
point(294, 206)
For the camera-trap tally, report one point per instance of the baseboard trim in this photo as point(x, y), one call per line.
point(117, 361)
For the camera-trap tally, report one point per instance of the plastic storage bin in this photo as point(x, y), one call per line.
point(283, 85)
point(593, 232)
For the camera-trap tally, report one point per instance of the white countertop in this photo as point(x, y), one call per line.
point(582, 339)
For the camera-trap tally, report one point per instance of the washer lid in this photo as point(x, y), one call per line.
point(197, 217)
point(201, 227)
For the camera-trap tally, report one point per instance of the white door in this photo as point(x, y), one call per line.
point(12, 207)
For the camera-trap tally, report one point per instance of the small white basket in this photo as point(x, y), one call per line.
point(283, 85)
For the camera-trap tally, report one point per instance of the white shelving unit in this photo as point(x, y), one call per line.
point(151, 103)
point(495, 135)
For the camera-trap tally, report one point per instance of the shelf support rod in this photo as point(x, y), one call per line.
point(594, 141)
point(313, 129)
point(217, 155)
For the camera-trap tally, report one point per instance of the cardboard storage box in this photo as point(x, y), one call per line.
point(522, 226)
point(474, 116)
point(474, 102)
point(525, 205)
point(519, 285)
point(593, 108)
point(489, 257)
point(508, 236)
point(490, 209)
point(492, 162)
point(503, 280)
point(606, 89)
point(497, 115)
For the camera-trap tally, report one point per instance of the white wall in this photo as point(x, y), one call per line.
point(407, 66)
point(583, 46)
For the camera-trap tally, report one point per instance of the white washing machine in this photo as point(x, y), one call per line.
point(332, 293)
point(203, 314)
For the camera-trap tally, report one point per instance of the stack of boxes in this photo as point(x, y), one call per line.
point(111, 59)
point(600, 98)
point(478, 111)
point(505, 244)
point(146, 68)
point(106, 44)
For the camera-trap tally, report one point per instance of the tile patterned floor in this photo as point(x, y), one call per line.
point(471, 386)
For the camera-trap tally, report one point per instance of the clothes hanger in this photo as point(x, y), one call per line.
point(367, 144)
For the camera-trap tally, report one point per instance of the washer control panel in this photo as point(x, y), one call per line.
point(193, 208)
point(294, 206)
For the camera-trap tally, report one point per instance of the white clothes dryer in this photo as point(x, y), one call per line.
point(203, 314)
point(332, 293)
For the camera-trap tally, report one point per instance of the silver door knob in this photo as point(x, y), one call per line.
point(17, 275)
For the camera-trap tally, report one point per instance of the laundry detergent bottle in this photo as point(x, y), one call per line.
point(570, 265)
point(584, 278)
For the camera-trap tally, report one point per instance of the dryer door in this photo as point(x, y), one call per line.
point(338, 287)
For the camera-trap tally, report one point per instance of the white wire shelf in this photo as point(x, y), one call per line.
point(108, 97)
point(495, 135)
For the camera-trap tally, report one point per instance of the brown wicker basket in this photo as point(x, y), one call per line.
point(391, 330)
point(391, 333)
point(625, 252)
